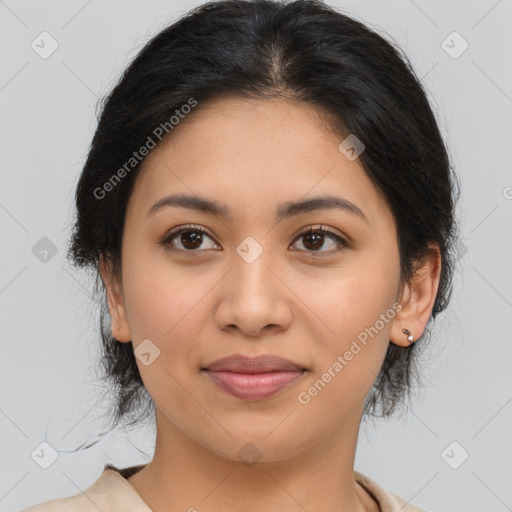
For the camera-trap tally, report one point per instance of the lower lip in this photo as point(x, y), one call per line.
point(253, 386)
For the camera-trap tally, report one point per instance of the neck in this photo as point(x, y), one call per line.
point(185, 474)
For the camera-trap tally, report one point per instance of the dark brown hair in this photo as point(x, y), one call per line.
point(306, 51)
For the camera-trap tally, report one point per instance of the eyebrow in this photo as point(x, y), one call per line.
point(285, 210)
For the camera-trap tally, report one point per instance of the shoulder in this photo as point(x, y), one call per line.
point(92, 499)
point(388, 501)
point(76, 503)
point(110, 493)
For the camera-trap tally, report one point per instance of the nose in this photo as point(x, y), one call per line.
point(254, 297)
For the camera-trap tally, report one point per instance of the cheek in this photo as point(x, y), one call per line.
point(347, 362)
point(353, 298)
point(170, 306)
point(355, 312)
point(159, 294)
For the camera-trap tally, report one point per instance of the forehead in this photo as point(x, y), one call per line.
point(256, 151)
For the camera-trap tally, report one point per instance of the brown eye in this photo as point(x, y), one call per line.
point(191, 239)
point(186, 238)
point(315, 238)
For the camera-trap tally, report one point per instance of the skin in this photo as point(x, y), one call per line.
point(306, 305)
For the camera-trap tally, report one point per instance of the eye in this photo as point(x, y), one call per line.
point(315, 236)
point(190, 238)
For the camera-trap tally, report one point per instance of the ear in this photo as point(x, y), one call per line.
point(115, 299)
point(418, 297)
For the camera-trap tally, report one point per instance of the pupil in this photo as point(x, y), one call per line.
point(318, 240)
point(191, 240)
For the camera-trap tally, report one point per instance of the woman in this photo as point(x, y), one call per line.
point(270, 207)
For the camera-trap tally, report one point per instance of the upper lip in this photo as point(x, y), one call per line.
point(259, 364)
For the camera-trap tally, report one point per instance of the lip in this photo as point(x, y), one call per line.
point(264, 363)
point(253, 378)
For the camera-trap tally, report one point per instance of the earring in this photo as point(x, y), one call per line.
point(410, 337)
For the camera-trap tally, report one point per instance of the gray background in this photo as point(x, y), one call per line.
point(49, 325)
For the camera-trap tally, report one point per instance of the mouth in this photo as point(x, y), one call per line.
point(253, 378)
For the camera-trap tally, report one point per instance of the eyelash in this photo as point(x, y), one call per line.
point(319, 229)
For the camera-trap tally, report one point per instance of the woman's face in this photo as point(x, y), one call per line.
point(253, 284)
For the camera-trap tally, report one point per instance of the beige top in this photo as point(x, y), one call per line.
point(113, 493)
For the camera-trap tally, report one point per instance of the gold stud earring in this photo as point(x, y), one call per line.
point(410, 337)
